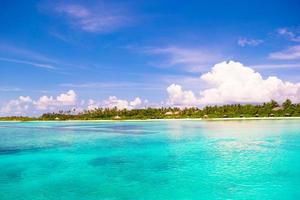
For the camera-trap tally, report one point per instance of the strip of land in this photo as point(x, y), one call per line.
point(153, 120)
point(265, 111)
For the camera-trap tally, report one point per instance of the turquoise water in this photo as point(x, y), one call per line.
point(240, 160)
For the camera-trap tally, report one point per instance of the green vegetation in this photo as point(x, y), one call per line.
point(17, 118)
point(271, 109)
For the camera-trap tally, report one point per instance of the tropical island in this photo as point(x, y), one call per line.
point(271, 109)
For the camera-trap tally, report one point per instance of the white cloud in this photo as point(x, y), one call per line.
point(180, 98)
point(292, 36)
point(136, 102)
point(64, 99)
point(232, 82)
point(92, 104)
point(17, 106)
point(291, 53)
point(187, 59)
point(99, 19)
point(25, 99)
point(249, 42)
point(68, 98)
point(25, 105)
point(226, 82)
point(113, 101)
point(44, 102)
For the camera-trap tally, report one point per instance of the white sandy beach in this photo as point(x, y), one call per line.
point(174, 119)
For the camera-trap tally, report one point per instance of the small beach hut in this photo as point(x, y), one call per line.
point(117, 117)
point(176, 113)
point(277, 108)
point(169, 113)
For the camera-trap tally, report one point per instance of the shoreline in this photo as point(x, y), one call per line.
point(173, 119)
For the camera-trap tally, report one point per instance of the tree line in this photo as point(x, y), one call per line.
point(270, 109)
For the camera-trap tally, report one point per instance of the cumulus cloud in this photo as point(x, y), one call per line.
point(291, 53)
point(225, 83)
point(249, 42)
point(25, 105)
point(113, 101)
point(64, 99)
point(101, 18)
point(136, 102)
point(232, 82)
point(17, 106)
point(179, 97)
point(68, 98)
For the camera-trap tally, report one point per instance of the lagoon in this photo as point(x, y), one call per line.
point(175, 159)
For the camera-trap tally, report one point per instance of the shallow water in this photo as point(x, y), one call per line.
point(150, 160)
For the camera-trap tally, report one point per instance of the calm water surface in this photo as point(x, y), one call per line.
point(240, 160)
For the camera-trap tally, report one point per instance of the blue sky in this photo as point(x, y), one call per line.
point(129, 49)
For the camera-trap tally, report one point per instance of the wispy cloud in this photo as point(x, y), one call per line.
point(291, 53)
point(189, 59)
point(112, 85)
point(276, 66)
point(62, 37)
point(24, 53)
point(34, 64)
point(10, 89)
point(101, 18)
point(95, 85)
point(249, 42)
point(14, 54)
point(289, 34)
point(19, 55)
